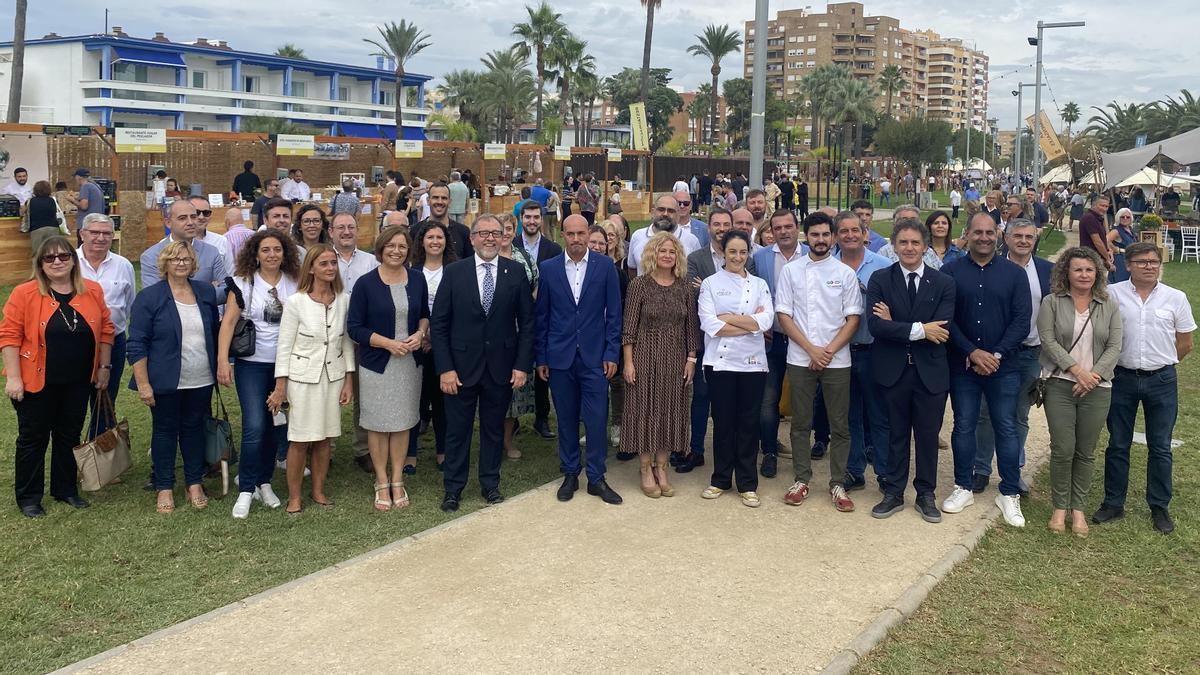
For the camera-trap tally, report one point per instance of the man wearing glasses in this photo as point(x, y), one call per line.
point(115, 275)
point(684, 218)
point(203, 216)
point(183, 221)
point(1158, 327)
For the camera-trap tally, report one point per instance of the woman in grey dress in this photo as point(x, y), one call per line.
point(522, 399)
point(388, 318)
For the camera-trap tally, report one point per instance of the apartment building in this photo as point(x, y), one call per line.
point(116, 80)
point(694, 131)
point(799, 40)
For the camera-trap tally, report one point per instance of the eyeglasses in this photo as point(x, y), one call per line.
point(1146, 264)
point(685, 203)
point(310, 221)
point(60, 257)
point(180, 261)
point(99, 233)
point(1126, 217)
point(488, 234)
point(206, 213)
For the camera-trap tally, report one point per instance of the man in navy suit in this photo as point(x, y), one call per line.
point(540, 248)
point(578, 324)
point(482, 334)
point(911, 306)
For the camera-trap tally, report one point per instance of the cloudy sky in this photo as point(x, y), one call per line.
point(1127, 52)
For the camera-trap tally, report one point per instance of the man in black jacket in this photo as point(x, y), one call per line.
point(246, 182)
point(540, 248)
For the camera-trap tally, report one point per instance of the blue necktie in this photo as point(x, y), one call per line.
point(489, 288)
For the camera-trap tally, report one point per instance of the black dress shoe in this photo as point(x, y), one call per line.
point(600, 489)
point(891, 505)
point(1162, 520)
point(1107, 514)
point(33, 511)
point(492, 496)
point(74, 501)
point(365, 463)
point(676, 458)
point(854, 483)
point(450, 503)
point(569, 485)
point(818, 450)
point(927, 507)
point(769, 466)
point(690, 461)
point(543, 429)
point(981, 482)
point(626, 456)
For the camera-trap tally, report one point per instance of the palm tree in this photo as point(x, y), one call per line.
point(544, 28)
point(715, 44)
point(18, 63)
point(891, 80)
point(452, 129)
point(400, 42)
point(570, 59)
point(261, 124)
point(460, 90)
point(505, 90)
point(1070, 115)
point(850, 103)
point(650, 6)
point(1118, 129)
point(290, 51)
point(1172, 117)
point(817, 87)
point(587, 89)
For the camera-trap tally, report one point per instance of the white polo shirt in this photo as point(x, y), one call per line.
point(637, 245)
point(728, 293)
point(1150, 326)
point(818, 296)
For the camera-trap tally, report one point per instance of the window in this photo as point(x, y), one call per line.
point(811, 38)
point(300, 89)
point(199, 127)
point(387, 97)
point(253, 84)
point(823, 24)
point(129, 72)
point(343, 94)
point(811, 51)
point(199, 79)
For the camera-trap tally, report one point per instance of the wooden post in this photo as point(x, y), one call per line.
point(603, 197)
point(485, 199)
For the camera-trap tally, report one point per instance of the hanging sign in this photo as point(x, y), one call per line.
point(1052, 148)
point(410, 149)
point(493, 151)
point(562, 153)
point(140, 140)
point(294, 145)
point(614, 154)
point(637, 123)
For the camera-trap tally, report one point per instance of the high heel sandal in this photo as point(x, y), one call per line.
point(649, 485)
point(403, 500)
point(660, 475)
point(167, 505)
point(383, 504)
point(199, 501)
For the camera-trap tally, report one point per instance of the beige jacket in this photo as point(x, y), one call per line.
point(1056, 327)
point(313, 339)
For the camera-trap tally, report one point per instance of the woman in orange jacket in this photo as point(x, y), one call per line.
point(57, 338)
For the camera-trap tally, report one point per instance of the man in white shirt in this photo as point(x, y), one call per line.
point(114, 273)
point(1158, 327)
point(666, 210)
point(684, 217)
point(203, 217)
point(297, 190)
point(955, 203)
point(681, 185)
point(19, 186)
point(819, 304)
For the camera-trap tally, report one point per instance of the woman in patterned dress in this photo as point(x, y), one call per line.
point(660, 339)
point(522, 399)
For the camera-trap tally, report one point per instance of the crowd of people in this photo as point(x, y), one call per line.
point(639, 338)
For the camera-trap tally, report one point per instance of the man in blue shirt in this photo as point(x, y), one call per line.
point(868, 416)
point(991, 318)
point(90, 199)
point(683, 217)
point(183, 224)
point(540, 194)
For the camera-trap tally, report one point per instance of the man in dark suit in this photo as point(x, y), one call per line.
point(578, 338)
point(541, 249)
point(482, 334)
point(911, 307)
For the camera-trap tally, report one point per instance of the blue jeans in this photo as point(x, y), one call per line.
point(99, 426)
point(1030, 368)
point(178, 421)
point(868, 418)
point(768, 421)
point(700, 408)
point(1158, 395)
point(262, 441)
point(967, 392)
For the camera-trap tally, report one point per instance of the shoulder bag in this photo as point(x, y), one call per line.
point(245, 334)
point(101, 460)
point(218, 440)
point(1037, 395)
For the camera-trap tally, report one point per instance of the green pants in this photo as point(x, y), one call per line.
point(1075, 425)
point(836, 385)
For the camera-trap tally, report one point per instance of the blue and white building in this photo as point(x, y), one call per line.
point(115, 80)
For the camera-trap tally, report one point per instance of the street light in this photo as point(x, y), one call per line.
point(1020, 121)
point(1037, 92)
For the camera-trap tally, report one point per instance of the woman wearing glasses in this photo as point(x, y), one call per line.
point(311, 227)
point(172, 348)
point(265, 276)
point(57, 340)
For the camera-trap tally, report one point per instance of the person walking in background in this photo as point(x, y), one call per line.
point(431, 256)
point(90, 198)
point(389, 319)
point(258, 209)
point(246, 182)
point(660, 338)
point(459, 194)
point(264, 277)
point(43, 214)
point(173, 352)
point(1081, 331)
point(313, 365)
point(1158, 326)
point(56, 337)
point(578, 338)
point(345, 201)
point(587, 197)
point(955, 203)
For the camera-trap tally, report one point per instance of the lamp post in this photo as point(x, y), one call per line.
point(1021, 121)
point(1037, 92)
point(758, 93)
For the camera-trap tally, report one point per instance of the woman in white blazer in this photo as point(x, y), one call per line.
point(312, 371)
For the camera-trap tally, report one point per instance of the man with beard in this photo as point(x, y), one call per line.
point(684, 217)
point(666, 215)
point(756, 203)
point(540, 249)
point(439, 211)
point(19, 186)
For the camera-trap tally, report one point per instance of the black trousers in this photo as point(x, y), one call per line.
point(433, 408)
point(735, 433)
point(53, 416)
point(492, 399)
point(913, 412)
point(541, 399)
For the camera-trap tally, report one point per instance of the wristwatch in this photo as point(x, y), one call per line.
point(998, 355)
point(106, 366)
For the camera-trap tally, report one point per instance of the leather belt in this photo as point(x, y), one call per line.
point(1143, 373)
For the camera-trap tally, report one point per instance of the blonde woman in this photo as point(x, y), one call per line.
point(614, 247)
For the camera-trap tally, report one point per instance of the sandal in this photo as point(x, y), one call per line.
point(199, 501)
point(712, 492)
point(168, 505)
point(290, 512)
point(403, 500)
point(327, 505)
point(382, 504)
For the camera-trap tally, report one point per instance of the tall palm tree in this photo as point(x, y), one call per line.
point(817, 87)
point(572, 62)
point(505, 90)
point(1171, 117)
point(290, 51)
point(18, 63)
point(460, 90)
point(851, 102)
point(538, 34)
point(1070, 115)
point(715, 44)
point(400, 42)
point(650, 6)
point(891, 80)
point(1117, 126)
point(587, 89)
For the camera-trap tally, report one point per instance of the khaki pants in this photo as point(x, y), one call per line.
point(1075, 425)
point(836, 385)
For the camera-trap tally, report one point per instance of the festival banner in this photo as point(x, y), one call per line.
point(493, 151)
point(562, 153)
point(637, 121)
point(1052, 148)
point(614, 154)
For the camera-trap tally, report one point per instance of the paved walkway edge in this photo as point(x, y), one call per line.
point(274, 590)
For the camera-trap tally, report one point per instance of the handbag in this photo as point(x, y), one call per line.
point(218, 441)
point(101, 460)
point(1037, 395)
point(245, 333)
point(614, 202)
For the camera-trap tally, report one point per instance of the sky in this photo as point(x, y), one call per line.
point(1118, 55)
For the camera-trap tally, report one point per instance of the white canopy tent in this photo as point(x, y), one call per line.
point(1184, 149)
point(975, 163)
point(1148, 176)
point(1059, 174)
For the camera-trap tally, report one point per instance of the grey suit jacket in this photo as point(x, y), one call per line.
point(700, 264)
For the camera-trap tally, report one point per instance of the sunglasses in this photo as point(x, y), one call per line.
point(206, 213)
point(60, 257)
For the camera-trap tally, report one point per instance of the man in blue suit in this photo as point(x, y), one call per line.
point(577, 322)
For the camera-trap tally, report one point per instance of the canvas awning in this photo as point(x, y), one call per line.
point(1148, 176)
point(1183, 149)
point(149, 57)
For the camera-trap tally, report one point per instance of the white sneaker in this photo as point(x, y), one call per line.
point(282, 464)
point(266, 495)
point(958, 500)
point(1010, 507)
point(241, 508)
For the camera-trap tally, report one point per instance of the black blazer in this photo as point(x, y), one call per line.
point(546, 250)
point(373, 311)
point(468, 341)
point(156, 333)
point(460, 237)
point(935, 302)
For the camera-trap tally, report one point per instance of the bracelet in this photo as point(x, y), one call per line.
point(691, 359)
point(106, 366)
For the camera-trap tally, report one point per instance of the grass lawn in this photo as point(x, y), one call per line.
point(1126, 599)
point(79, 582)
